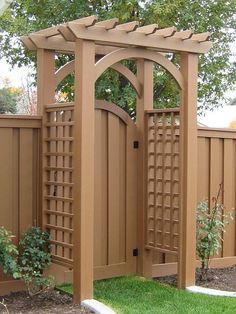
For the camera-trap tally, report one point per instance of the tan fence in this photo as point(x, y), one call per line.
point(116, 201)
point(19, 178)
point(216, 164)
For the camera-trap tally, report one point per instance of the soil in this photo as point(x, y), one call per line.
point(218, 278)
point(48, 302)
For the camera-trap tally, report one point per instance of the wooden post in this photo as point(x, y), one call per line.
point(84, 116)
point(46, 86)
point(144, 102)
point(188, 172)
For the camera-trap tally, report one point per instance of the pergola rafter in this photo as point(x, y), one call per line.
point(110, 33)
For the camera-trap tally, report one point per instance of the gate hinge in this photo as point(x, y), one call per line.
point(136, 144)
point(135, 252)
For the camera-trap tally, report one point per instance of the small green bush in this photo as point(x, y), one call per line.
point(34, 258)
point(211, 222)
point(29, 263)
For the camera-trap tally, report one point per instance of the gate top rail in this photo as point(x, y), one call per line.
point(169, 110)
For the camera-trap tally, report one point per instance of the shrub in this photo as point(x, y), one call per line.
point(30, 263)
point(211, 222)
point(35, 256)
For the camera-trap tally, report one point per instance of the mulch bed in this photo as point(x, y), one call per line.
point(218, 278)
point(48, 302)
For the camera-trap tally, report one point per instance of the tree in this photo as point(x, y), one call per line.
point(27, 101)
point(8, 98)
point(216, 69)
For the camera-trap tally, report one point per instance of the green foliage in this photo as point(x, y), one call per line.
point(216, 69)
point(8, 100)
point(8, 254)
point(29, 264)
point(211, 222)
point(35, 256)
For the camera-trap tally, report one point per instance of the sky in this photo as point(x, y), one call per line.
point(15, 75)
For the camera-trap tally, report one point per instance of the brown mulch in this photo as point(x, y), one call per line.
point(218, 278)
point(48, 302)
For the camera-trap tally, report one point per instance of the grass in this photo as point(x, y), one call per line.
point(135, 295)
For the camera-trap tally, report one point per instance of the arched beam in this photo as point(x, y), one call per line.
point(118, 67)
point(130, 53)
point(129, 75)
point(65, 70)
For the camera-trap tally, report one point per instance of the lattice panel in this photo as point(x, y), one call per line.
point(163, 180)
point(58, 183)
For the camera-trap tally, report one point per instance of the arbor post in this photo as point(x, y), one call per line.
point(188, 172)
point(144, 102)
point(83, 178)
point(46, 86)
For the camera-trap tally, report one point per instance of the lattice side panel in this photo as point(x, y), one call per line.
point(162, 180)
point(58, 183)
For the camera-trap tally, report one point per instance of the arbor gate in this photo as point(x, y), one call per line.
point(97, 46)
point(115, 213)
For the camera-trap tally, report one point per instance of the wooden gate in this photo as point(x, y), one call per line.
point(115, 188)
point(115, 191)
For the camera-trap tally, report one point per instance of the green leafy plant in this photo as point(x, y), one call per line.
point(8, 254)
point(211, 222)
point(35, 256)
point(29, 263)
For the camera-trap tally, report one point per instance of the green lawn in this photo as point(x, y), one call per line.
point(128, 295)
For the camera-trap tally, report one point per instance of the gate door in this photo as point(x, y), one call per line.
point(115, 192)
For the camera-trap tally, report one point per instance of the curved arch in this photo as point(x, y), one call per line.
point(65, 70)
point(69, 67)
point(116, 110)
point(138, 53)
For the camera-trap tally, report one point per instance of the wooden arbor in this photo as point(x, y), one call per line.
point(109, 43)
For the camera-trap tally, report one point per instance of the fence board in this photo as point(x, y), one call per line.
point(229, 195)
point(26, 179)
point(113, 188)
point(101, 217)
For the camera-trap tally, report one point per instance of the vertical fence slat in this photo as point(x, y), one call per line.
point(113, 188)
point(6, 177)
point(122, 190)
point(203, 168)
point(15, 184)
point(100, 213)
point(229, 196)
point(26, 179)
